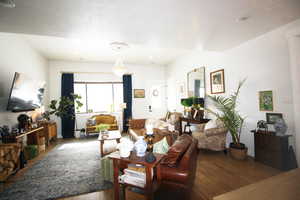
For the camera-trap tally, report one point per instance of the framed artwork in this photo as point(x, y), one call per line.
point(217, 82)
point(266, 101)
point(181, 89)
point(139, 93)
point(272, 117)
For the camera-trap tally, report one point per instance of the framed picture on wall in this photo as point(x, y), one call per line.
point(139, 93)
point(217, 82)
point(181, 89)
point(272, 117)
point(266, 101)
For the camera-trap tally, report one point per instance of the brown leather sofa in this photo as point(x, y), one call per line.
point(137, 128)
point(101, 119)
point(176, 172)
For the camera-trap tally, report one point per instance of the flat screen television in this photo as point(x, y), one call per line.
point(25, 94)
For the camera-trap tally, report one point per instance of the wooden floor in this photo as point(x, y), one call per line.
point(216, 174)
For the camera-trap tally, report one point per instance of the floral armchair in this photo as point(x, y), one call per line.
point(212, 139)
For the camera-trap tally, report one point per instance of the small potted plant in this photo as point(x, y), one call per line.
point(187, 104)
point(102, 129)
point(192, 105)
point(232, 120)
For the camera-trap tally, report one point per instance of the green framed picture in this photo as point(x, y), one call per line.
point(139, 93)
point(266, 101)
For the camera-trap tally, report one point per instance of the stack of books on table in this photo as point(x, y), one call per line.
point(134, 176)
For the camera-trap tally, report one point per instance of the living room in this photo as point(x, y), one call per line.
point(253, 41)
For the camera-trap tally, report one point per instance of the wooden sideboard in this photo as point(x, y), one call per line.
point(50, 131)
point(273, 150)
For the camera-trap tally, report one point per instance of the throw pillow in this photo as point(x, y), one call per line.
point(156, 123)
point(197, 127)
point(211, 124)
point(91, 122)
point(161, 147)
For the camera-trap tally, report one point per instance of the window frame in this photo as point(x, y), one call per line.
point(86, 93)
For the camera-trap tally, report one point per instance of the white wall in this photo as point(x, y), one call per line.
point(264, 61)
point(143, 77)
point(17, 56)
point(294, 44)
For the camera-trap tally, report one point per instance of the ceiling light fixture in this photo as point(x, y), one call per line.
point(119, 69)
point(7, 3)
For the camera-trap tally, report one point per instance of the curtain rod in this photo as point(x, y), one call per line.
point(69, 72)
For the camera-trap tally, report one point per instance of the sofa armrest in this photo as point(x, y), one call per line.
point(215, 132)
point(165, 173)
point(135, 133)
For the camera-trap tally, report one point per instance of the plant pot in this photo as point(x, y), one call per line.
point(238, 152)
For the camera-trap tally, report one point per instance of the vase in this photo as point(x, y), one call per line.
point(125, 147)
point(140, 146)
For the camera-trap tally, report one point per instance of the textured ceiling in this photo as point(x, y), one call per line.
point(172, 26)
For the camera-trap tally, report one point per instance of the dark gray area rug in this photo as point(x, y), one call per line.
point(69, 169)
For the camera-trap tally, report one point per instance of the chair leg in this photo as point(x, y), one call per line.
point(225, 151)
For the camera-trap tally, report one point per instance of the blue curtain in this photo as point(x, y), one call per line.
point(127, 93)
point(67, 88)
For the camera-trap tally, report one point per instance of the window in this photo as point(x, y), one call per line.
point(99, 97)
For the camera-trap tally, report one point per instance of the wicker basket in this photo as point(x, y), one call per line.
point(238, 154)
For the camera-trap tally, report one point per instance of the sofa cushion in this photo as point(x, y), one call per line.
point(161, 147)
point(91, 122)
point(139, 132)
point(137, 123)
point(157, 123)
point(197, 127)
point(177, 150)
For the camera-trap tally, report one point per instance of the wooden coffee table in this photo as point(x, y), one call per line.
point(112, 135)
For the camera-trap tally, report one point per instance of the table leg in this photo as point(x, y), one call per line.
point(149, 184)
point(180, 126)
point(116, 180)
point(101, 147)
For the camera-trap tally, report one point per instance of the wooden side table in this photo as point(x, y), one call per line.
point(119, 163)
point(189, 122)
point(112, 135)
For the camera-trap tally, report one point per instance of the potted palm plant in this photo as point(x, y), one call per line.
point(232, 120)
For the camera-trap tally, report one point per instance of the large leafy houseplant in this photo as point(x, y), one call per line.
point(63, 107)
point(229, 115)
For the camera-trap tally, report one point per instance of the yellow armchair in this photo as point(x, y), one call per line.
point(101, 119)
